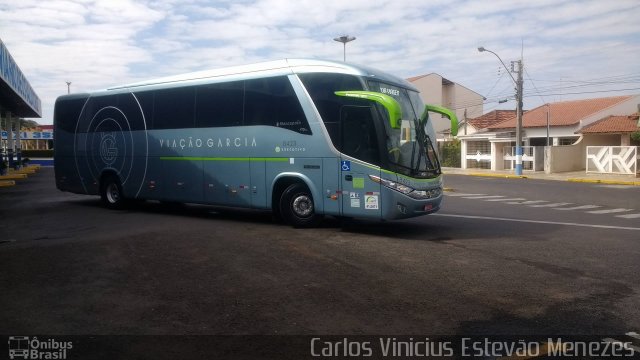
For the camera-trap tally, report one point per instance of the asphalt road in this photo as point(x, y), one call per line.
point(69, 266)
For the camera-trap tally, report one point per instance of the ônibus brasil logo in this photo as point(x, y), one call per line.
point(25, 347)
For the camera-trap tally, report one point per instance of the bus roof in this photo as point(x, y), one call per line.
point(273, 68)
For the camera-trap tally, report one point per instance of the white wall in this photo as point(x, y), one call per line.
point(565, 158)
point(554, 132)
point(573, 157)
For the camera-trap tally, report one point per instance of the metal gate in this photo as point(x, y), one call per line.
point(532, 157)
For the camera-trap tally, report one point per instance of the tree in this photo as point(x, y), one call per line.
point(450, 151)
point(24, 124)
point(28, 124)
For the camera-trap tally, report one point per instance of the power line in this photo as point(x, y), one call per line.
point(534, 86)
point(594, 79)
point(586, 92)
point(496, 83)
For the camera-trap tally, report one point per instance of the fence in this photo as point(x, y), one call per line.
point(532, 157)
point(612, 159)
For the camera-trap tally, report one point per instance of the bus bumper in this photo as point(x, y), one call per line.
point(407, 207)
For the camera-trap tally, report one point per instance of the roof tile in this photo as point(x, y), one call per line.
point(613, 124)
point(562, 113)
point(491, 118)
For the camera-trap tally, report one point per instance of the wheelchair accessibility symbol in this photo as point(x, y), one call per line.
point(345, 165)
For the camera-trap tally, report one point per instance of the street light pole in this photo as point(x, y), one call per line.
point(68, 87)
point(519, 86)
point(344, 39)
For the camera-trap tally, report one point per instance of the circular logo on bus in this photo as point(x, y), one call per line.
point(108, 149)
point(111, 135)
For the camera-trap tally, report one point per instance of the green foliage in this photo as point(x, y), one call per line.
point(450, 151)
point(28, 124)
point(24, 124)
point(635, 136)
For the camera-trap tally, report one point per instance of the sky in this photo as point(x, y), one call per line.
point(571, 49)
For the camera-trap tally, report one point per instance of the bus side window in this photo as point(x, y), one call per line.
point(258, 110)
point(174, 108)
point(145, 101)
point(322, 87)
point(219, 105)
point(67, 112)
point(273, 102)
point(102, 106)
point(131, 110)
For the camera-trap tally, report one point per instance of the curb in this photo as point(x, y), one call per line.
point(23, 171)
point(26, 169)
point(7, 183)
point(607, 182)
point(13, 177)
point(577, 180)
point(502, 176)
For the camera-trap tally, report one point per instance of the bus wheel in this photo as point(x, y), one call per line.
point(296, 206)
point(111, 193)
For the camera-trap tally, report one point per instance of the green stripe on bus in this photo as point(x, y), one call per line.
point(194, 158)
point(395, 173)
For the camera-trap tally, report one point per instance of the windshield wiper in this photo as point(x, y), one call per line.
point(421, 141)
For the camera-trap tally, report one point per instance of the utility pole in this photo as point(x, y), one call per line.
point(1, 145)
point(68, 87)
point(548, 121)
point(18, 144)
point(10, 142)
point(519, 87)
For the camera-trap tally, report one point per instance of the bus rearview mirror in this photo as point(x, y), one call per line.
point(390, 104)
point(443, 111)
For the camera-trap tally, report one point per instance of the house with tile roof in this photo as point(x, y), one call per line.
point(474, 125)
point(556, 124)
point(437, 90)
point(617, 128)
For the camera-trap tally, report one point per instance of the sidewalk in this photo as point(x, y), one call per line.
point(573, 176)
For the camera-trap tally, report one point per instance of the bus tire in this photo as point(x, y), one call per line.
point(296, 206)
point(111, 192)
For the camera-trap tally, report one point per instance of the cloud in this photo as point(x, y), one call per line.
point(96, 44)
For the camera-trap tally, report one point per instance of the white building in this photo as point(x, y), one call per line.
point(436, 90)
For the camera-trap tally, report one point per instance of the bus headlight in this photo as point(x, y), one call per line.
point(425, 194)
point(406, 190)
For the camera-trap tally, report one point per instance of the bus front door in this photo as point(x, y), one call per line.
point(360, 194)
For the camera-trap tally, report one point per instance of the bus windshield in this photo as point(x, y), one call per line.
point(409, 147)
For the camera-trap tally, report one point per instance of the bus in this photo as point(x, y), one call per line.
point(302, 138)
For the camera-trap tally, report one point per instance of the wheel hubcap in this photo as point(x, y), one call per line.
point(113, 195)
point(302, 206)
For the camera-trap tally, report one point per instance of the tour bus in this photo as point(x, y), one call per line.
point(303, 138)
